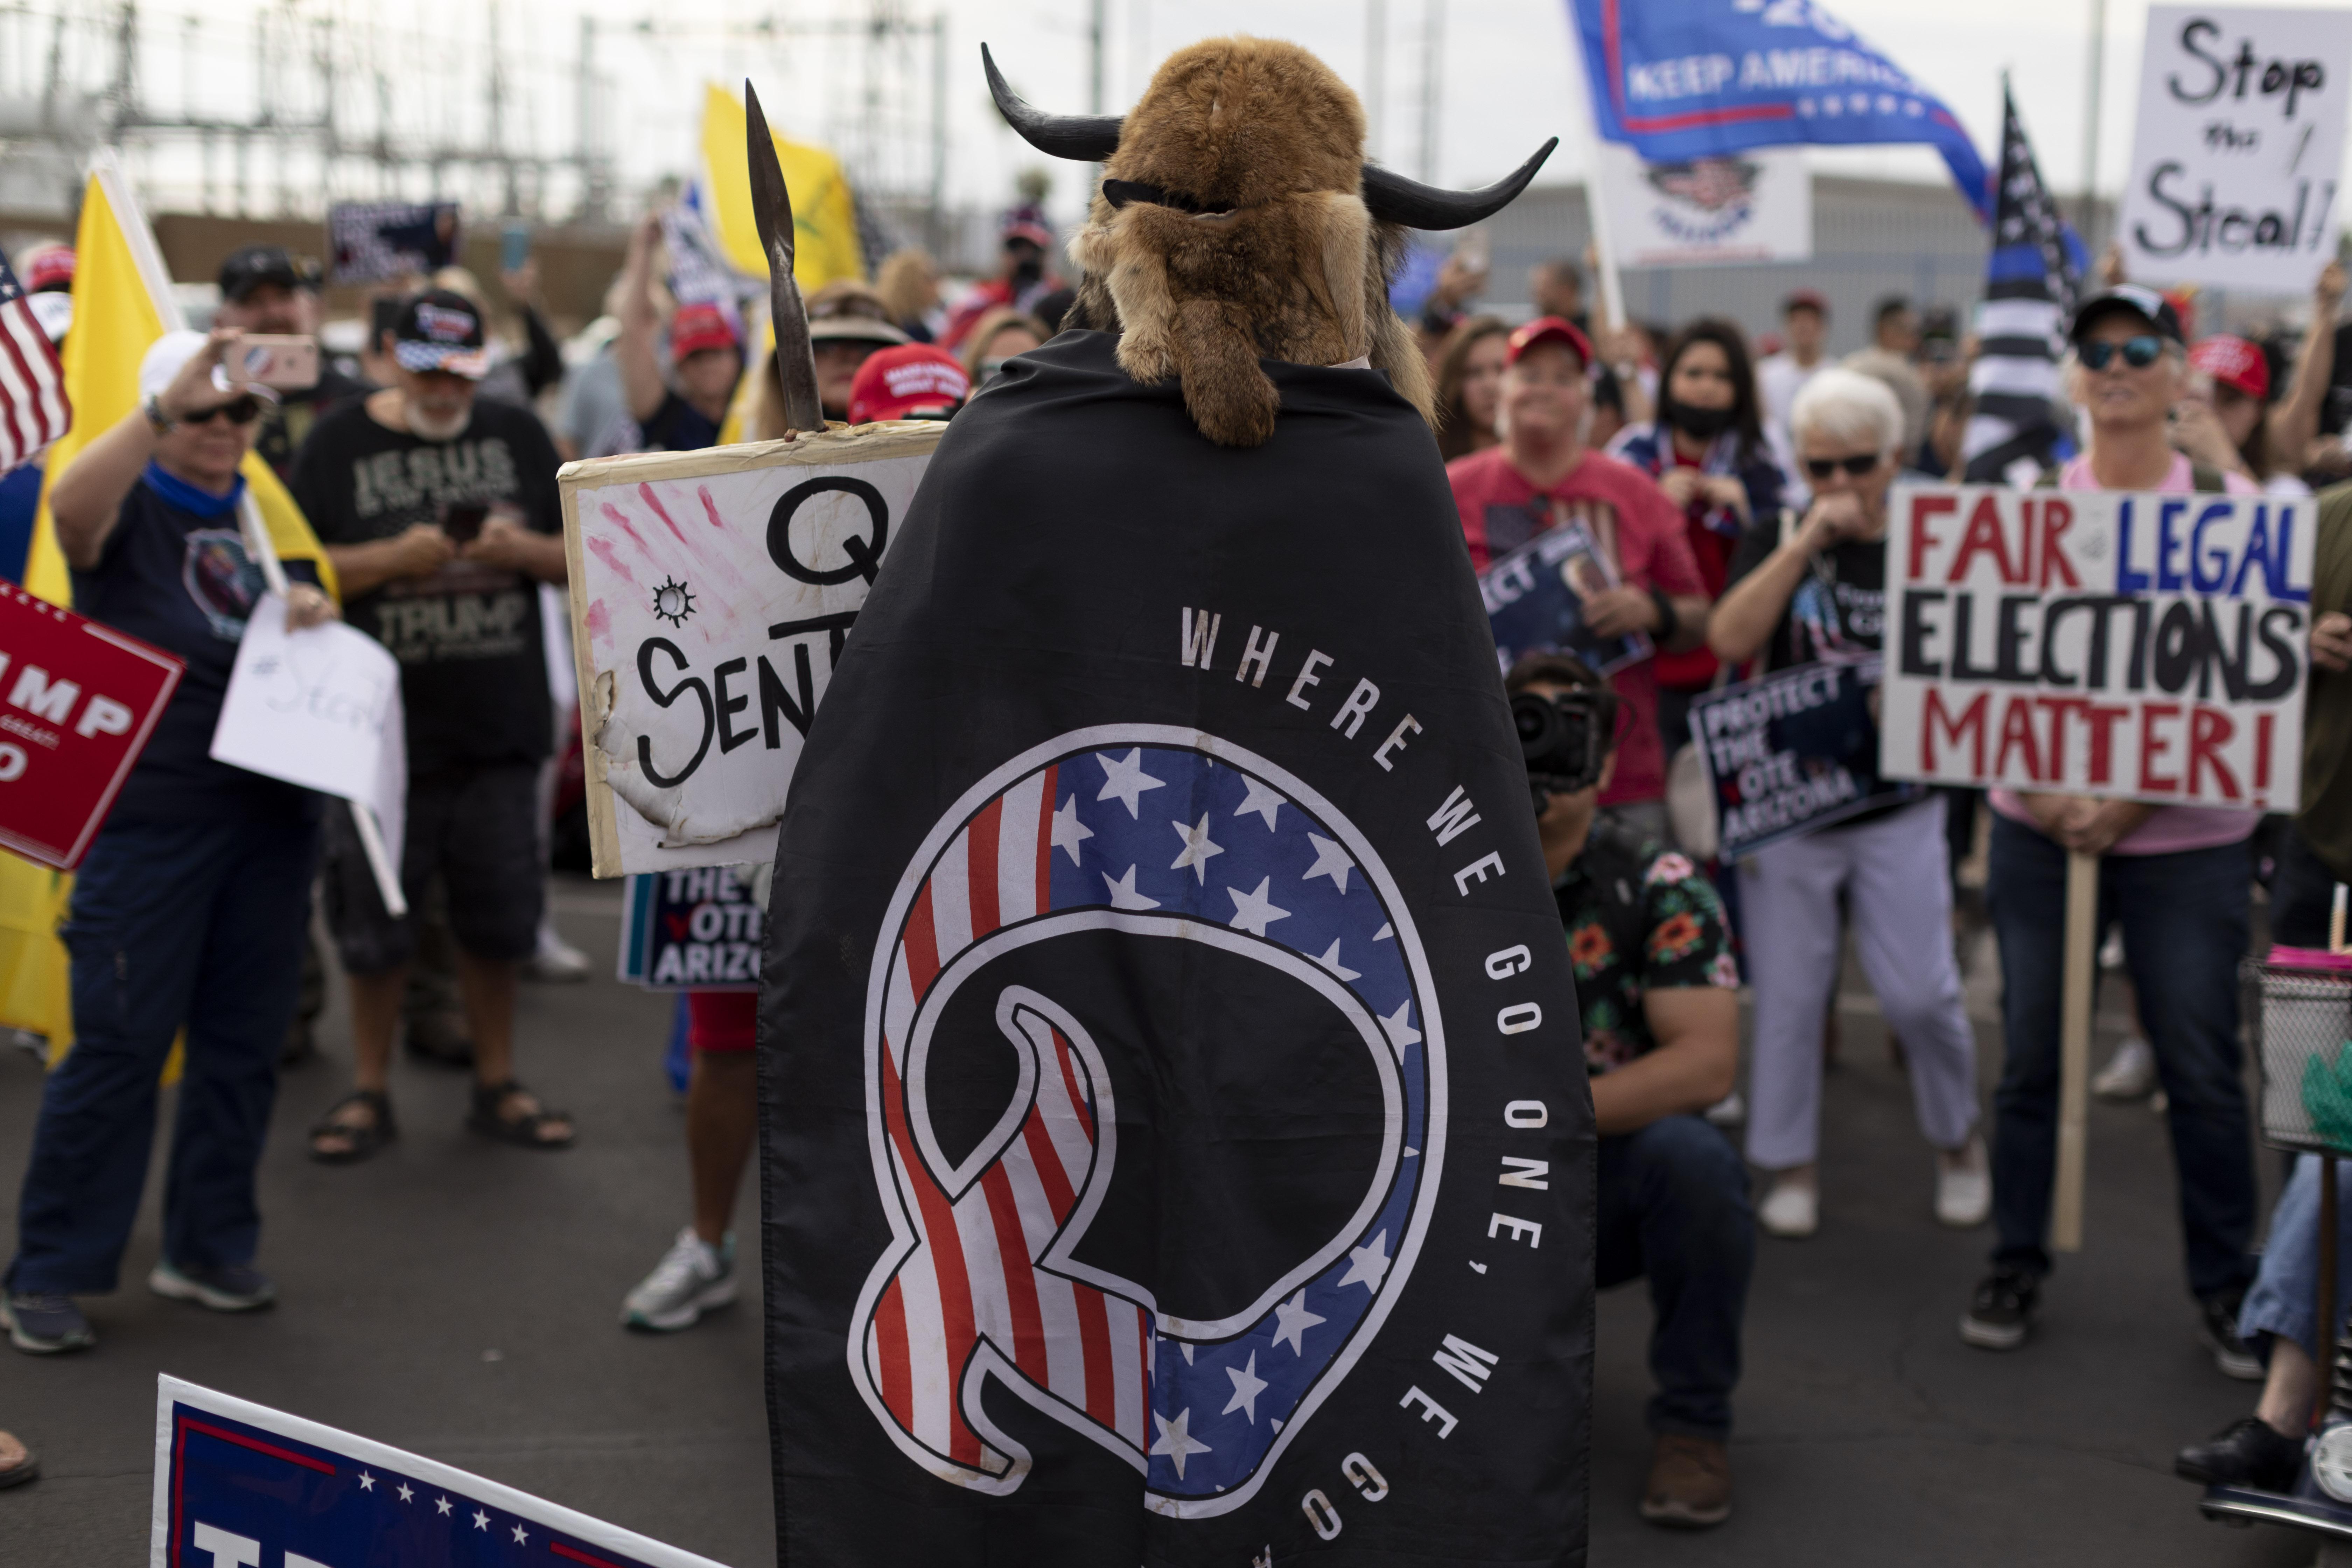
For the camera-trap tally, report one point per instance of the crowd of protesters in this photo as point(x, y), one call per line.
point(1737, 488)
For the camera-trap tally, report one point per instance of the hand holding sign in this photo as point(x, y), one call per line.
point(320, 708)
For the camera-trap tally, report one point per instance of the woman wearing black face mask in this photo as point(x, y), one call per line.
point(1706, 452)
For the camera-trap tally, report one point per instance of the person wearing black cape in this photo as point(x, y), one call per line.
point(1176, 1146)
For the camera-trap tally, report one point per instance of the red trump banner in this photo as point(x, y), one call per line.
point(2146, 647)
point(76, 702)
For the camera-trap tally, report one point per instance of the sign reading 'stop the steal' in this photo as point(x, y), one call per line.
point(712, 593)
point(2144, 647)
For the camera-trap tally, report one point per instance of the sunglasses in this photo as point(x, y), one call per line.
point(2139, 353)
point(242, 410)
point(1855, 467)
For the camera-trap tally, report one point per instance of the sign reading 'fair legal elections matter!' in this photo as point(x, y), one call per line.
point(2240, 146)
point(2145, 647)
point(77, 703)
point(712, 593)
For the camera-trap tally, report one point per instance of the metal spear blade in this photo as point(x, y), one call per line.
point(772, 206)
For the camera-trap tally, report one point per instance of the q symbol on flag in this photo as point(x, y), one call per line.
point(1117, 980)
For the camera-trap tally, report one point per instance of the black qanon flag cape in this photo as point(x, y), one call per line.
point(1176, 1142)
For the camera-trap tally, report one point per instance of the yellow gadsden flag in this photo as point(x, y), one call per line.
point(122, 303)
point(825, 221)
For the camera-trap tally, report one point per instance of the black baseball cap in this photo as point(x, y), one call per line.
point(440, 330)
point(2133, 298)
point(253, 266)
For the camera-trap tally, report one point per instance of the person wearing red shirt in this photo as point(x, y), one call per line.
point(1544, 474)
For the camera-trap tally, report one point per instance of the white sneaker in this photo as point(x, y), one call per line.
point(557, 961)
point(1729, 1111)
point(1793, 1210)
point(2130, 1074)
point(692, 1277)
point(1964, 1191)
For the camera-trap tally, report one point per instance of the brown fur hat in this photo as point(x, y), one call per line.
point(1241, 236)
point(1239, 222)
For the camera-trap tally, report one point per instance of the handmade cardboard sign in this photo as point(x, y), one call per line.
point(2142, 646)
point(76, 702)
point(320, 708)
point(239, 1484)
point(712, 593)
point(2240, 146)
point(1791, 753)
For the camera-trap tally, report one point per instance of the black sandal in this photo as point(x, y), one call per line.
point(526, 1130)
point(363, 1138)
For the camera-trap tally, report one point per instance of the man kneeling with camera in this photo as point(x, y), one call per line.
point(1659, 992)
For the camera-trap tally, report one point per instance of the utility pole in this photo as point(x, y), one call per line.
point(1432, 84)
point(2087, 215)
point(1094, 55)
point(1375, 65)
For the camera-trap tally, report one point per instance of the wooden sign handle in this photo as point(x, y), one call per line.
point(2079, 995)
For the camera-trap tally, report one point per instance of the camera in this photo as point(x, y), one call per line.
point(1566, 739)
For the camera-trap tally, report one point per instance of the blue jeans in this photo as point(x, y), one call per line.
point(173, 923)
point(2284, 1299)
point(2184, 923)
point(1673, 1207)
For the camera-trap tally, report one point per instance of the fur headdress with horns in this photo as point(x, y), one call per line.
point(1239, 222)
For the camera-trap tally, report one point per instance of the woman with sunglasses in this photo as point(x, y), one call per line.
point(189, 908)
point(2175, 878)
point(1811, 590)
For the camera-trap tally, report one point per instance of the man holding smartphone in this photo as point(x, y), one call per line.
point(272, 297)
point(439, 509)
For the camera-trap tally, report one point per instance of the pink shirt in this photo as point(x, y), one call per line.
point(2170, 828)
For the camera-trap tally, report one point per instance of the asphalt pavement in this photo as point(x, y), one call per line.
point(460, 1300)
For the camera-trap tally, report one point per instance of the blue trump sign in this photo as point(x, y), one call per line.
point(239, 1484)
point(1680, 79)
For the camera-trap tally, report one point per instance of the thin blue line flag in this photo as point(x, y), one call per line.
point(1678, 79)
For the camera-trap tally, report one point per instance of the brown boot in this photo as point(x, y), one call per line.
point(1690, 1483)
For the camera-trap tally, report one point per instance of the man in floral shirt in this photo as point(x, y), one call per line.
point(1660, 993)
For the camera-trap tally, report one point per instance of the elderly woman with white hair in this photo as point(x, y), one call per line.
point(1811, 590)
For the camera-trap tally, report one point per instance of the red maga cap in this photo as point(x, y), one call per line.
point(896, 383)
point(700, 326)
point(2234, 361)
point(1550, 329)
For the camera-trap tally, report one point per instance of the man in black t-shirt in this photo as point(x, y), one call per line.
point(440, 513)
point(265, 289)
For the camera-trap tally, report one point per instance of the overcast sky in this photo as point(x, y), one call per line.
point(1508, 74)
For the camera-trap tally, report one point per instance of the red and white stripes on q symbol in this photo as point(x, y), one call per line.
point(975, 1278)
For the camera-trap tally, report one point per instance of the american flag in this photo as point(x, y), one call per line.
point(1148, 839)
point(2034, 273)
point(33, 407)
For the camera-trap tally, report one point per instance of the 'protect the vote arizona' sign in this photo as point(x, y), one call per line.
point(2146, 647)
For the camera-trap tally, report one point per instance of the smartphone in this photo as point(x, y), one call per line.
point(462, 520)
point(283, 363)
point(1475, 251)
point(514, 247)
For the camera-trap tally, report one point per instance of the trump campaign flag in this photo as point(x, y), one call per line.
point(1681, 80)
point(1176, 1145)
point(239, 1484)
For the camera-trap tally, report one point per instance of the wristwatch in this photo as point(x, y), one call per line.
point(1669, 623)
point(157, 420)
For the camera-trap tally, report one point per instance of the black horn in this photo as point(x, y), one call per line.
point(1392, 198)
point(1089, 137)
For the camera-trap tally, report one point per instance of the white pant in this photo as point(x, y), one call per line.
point(1899, 901)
